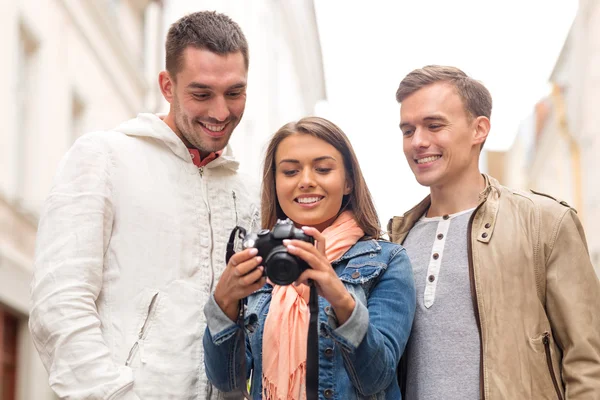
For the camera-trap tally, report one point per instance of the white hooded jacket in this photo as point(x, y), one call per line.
point(130, 245)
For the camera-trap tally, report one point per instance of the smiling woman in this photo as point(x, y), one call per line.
point(311, 180)
point(291, 157)
point(365, 285)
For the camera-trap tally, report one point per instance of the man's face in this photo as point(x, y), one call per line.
point(441, 141)
point(208, 98)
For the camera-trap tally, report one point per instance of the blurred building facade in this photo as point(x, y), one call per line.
point(556, 149)
point(77, 66)
point(72, 66)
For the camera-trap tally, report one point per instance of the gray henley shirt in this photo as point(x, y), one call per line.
point(443, 351)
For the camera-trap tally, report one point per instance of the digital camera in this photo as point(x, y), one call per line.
point(281, 267)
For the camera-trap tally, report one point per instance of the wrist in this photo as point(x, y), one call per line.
point(229, 307)
point(344, 308)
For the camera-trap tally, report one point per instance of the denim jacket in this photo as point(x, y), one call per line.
point(358, 359)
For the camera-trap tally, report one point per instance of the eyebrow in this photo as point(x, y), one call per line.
point(198, 85)
point(435, 118)
point(290, 160)
point(428, 118)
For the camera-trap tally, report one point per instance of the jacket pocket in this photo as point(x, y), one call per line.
point(546, 341)
point(139, 343)
point(360, 278)
point(362, 274)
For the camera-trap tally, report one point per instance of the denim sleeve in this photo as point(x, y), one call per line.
point(222, 343)
point(351, 333)
point(371, 365)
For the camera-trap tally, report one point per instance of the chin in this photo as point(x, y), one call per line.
point(300, 220)
point(427, 181)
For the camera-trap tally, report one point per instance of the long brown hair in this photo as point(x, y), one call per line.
point(359, 200)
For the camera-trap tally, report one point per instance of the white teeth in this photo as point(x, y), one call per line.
point(214, 128)
point(427, 159)
point(308, 200)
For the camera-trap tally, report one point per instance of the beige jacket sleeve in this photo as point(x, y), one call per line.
point(573, 307)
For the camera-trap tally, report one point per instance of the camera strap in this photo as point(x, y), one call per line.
point(240, 380)
point(312, 345)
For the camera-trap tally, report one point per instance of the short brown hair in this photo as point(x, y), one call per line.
point(477, 100)
point(206, 30)
point(359, 200)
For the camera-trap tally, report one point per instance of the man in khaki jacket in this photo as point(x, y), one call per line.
point(508, 304)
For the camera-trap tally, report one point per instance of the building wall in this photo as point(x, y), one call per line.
point(557, 151)
point(586, 97)
point(69, 71)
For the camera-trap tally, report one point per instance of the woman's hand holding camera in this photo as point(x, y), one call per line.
point(322, 273)
point(242, 277)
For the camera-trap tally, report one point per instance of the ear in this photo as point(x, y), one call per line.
point(347, 187)
point(482, 129)
point(167, 86)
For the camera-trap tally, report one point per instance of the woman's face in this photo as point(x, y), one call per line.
point(310, 180)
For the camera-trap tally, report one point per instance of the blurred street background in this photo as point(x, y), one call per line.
point(75, 66)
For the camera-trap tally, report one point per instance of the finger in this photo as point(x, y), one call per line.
point(252, 277)
point(301, 244)
point(258, 284)
point(304, 277)
point(315, 259)
point(242, 256)
point(247, 266)
point(318, 236)
point(248, 290)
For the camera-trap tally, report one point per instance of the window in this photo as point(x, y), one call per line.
point(25, 108)
point(77, 117)
point(8, 355)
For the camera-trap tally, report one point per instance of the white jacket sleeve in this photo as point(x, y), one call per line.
point(73, 236)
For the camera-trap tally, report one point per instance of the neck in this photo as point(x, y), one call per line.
point(169, 119)
point(456, 196)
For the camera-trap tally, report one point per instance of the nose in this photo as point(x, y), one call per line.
point(307, 179)
point(219, 109)
point(420, 139)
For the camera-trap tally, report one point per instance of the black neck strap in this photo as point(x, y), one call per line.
point(312, 346)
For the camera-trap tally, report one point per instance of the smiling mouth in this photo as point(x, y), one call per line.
point(427, 159)
point(213, 128)
point(308, 200)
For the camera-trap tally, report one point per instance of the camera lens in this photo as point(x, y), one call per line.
point(282, 268)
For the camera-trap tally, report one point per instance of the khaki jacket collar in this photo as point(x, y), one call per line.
point(484, 219)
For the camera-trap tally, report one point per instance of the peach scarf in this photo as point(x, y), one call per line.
point(286, 326)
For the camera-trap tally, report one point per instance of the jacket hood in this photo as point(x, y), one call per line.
point(152, 126)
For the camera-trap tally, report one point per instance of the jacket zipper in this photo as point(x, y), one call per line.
point(210, 230)
point(474, 297)
point(546, 341)
point(118, 393)
point(143, 332)
point(235, 206)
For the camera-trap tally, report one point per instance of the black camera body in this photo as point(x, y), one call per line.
point(281, 267)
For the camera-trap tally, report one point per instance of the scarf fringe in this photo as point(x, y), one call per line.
point(270, 389)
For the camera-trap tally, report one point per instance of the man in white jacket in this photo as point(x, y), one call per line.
point(132, 236)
